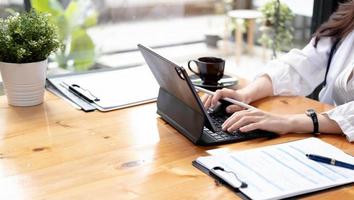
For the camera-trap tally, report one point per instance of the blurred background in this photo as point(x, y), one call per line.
point(100, 34)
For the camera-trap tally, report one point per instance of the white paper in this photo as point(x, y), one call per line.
point(283, 170)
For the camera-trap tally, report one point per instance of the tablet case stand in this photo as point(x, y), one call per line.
point(182, 117)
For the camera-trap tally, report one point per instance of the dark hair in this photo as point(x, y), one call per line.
point(339, 25)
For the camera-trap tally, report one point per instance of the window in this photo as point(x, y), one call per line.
point(113, 28)
point(104, 33)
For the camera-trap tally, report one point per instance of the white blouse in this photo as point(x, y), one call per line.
point(299, 72)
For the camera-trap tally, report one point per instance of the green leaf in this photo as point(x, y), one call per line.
point(27, 37)
point(82, 50)
point(56, 11)
point(71, 13)
point(64, 30)
point(48, 6)
point(91, 20)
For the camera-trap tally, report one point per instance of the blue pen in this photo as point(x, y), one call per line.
point(330, 161)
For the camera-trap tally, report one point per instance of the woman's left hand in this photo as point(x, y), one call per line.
point(248, 120)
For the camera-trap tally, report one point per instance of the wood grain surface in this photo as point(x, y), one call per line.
point(52, 151)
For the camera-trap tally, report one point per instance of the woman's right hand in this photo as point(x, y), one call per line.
point(211, 101)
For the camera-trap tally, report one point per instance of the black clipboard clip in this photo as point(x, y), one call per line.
point(213, 173)
point(82, 93)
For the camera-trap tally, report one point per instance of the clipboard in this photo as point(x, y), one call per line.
point(220, 180)
point(106, 90)
point(245, 197)
point(325, 177)
point(68, 97)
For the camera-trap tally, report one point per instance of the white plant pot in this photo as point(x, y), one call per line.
point(24, 82)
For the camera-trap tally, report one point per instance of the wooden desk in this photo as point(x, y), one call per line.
point(53, 151)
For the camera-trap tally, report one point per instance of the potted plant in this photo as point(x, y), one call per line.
point(277, 30)
point(26, 41)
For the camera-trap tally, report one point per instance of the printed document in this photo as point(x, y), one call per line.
point(282, 170)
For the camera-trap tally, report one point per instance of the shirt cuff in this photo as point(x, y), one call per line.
point(278, 73)
point(344, 123)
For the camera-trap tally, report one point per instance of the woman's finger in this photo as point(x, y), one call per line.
point(250, 127)
point(207, 103)
point(237, 116)
point(233, 108)
point(216, 97)
point(233, 118)
point(246, 120)
point(219, 94)
point(206, 99)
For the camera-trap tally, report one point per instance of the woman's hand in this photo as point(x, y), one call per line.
point(260, 88)
point(248, 120)
point(211, 101)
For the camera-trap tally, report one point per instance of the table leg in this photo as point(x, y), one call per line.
point(238, 40)
point(226, 35)
point(250, 35)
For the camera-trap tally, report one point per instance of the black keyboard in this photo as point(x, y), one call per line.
point(221, 135)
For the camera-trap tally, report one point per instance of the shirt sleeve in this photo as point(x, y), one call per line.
point(344, 116)
point(299, 72)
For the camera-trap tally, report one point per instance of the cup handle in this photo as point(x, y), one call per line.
point(190, 68)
